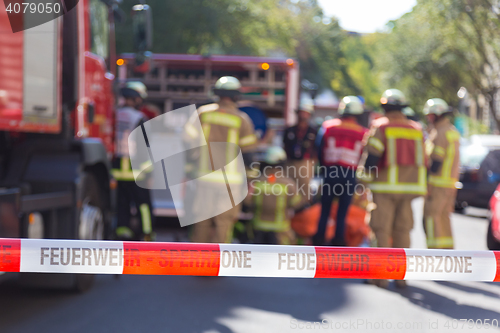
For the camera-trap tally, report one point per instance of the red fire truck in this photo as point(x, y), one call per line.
point(56, 128)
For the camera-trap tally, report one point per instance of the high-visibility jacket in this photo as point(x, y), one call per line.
point(127, 119)
point(340, 143)
point(222, 123)
point(402, 166)
point(443, 146)
point(272, 199)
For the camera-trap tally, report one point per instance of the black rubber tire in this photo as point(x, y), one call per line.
point(90, 189)
point(460, 207)
point(491, 241)
point(71, 282)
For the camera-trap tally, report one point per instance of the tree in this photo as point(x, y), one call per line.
point(359, 55)
point(475, 24)
point(413, 58)
point(441, 46)
point(289, 28)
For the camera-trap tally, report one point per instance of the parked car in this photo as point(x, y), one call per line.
point(479, 171)
point(493, 236)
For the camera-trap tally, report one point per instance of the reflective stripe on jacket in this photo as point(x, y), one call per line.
point(222, 123)
point(122, 170)
point(271, 202)
point(443, 145)
point(400, 146)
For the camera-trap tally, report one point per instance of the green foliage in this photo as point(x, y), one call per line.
point(358, 51)
point(287, 28)
point(434, 50)
point(475, 127)
point(440, 46)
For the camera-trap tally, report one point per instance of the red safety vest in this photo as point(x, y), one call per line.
point(342, 143)
point(402, 167)
point(404, 145)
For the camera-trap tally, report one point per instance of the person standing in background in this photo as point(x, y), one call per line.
point(221, 122)
point(443, 149)
point(340, 145)
point(129, 193)
point(395, 168)
point(298, 142)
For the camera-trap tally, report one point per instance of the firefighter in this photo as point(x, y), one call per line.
point(443, 148)
point(272, 197)
point(221, 122)
point(129, 195)
point(394, 166)
point(340, 145)
point(298, 142)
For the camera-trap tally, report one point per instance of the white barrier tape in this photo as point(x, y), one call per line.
point(116, 257)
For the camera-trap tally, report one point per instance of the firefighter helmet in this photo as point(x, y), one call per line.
point(351, 105)
point(306, 105)
point(436, 106)
point(274, 155)
point(135, 89)
point(394, 98)
point(227, 86)
point(408, 111)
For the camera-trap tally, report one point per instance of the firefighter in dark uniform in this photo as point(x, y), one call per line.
point(340, 144)
point(298, 142)
point(129, 195)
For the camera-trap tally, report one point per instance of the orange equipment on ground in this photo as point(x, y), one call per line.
point(305, 223)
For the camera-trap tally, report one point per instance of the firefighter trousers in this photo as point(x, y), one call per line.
point(392, 219)
point(439, 204)
point(130, 195)
point(343, 188)
point(274, 237)
point(301, 171)
point(218, 229)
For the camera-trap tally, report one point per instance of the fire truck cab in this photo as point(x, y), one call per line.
point(57, 106)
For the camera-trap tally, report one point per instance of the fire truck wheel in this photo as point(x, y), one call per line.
point(91, 220)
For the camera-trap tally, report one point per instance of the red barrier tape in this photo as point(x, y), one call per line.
point(116, 257)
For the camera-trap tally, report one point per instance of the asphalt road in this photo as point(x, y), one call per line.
point(200, 304)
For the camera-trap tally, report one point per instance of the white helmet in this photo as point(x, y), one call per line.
point(408, 111)
point(227, 86)
point(275, 155)
point(306, 104)
point(138, 87)
point(351, 105)
point(228, 83)
point(436, 106)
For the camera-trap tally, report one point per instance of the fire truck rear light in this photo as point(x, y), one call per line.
point(35, 225)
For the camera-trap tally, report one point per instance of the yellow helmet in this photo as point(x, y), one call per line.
point(351, 105)
point(436, 106)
